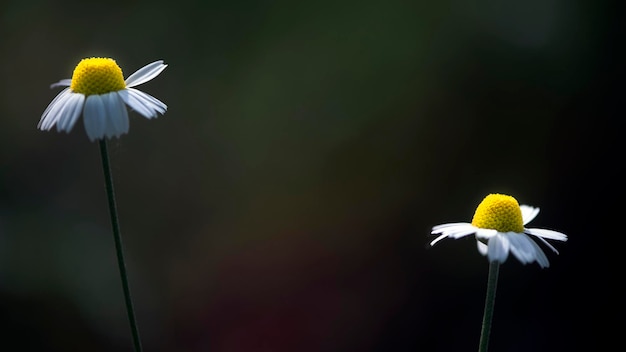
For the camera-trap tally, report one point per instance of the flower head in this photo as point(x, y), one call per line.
point(499, 221)
point(99, 93)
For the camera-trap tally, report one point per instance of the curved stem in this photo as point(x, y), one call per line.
point(118, 243)
point(490, 300)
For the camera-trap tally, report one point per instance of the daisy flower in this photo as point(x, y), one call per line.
point(498, 225)
point(99, 93)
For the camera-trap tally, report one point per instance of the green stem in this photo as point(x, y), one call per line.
point(490, 300)
point(118, 243)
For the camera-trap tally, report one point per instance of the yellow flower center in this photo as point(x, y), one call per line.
point(499, 212)
point(97, 75)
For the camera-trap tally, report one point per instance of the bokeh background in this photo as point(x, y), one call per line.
point(284, 201)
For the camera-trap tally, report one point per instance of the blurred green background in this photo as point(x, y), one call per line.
point(284, 201)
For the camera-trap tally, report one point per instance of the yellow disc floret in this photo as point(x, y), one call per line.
point(97, 75)
point(499, 212)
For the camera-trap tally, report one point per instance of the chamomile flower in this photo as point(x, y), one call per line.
point(498, 225)
point(99, 93)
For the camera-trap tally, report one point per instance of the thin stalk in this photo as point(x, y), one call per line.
point(490, 300)
point(108, 178)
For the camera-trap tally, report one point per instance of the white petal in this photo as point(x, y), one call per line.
point(541, 258)
point(482, 248)
point(136, 103)
point(116, 115)
point(145, 73)
point(109, 126)
point(62, 83)
point(438, 239)
point(498, 248)
point(548, 245)
point(436, 229)
point(522, 247)
point(118, 110)
point(50, 116)
point(150, 101)
point(454, 230)
point(549, 234)
point(71, 112)
point(462, 233)
point(485, 233)
point(94, 117)
point(528, 213)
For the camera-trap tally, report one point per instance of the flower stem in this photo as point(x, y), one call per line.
point(490, 300)
point(108, 177)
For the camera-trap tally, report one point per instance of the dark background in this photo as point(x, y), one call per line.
point(284, 201)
